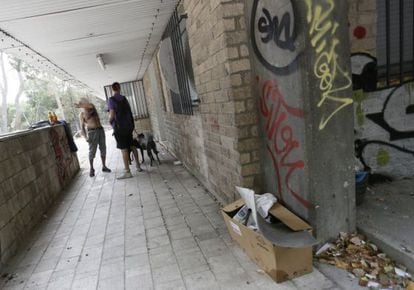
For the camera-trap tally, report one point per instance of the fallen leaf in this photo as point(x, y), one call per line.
point(388, 269)
point(359, 273)
point(356, 241)
point(341, 264)
point(363, 282)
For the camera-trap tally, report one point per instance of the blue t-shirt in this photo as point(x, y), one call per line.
point(124, 120)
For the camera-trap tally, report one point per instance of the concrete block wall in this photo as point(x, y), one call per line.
point(383, 124)
point(362, 16)
point(34, 168)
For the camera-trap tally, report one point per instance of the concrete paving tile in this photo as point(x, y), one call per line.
point(117, 282)
point(162, 259)
point(155, 232)
point(138, 282)
point(180, 233)
point(171, 285)
point(153, 222)
point(110, 253)
point(156, 242)
point(192, 262)
point(111, 268)
point(214, 247)
point(38, 280)
point(313, 281)
point(201, 281)
point(67, 263)
point(85, 283)
point(46, 264)
point(184, 245)
point(166, 274)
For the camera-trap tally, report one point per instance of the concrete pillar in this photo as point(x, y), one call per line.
point(300, 60)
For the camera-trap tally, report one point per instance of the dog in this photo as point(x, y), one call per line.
point(149, 145)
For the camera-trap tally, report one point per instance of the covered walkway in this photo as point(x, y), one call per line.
point(158, 230)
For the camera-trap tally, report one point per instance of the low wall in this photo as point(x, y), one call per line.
point(34, 168)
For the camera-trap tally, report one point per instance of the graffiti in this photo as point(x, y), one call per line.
point(392, 115)
point(364, 72)
point(273, 30)
point(394, 106)
point(273, 35)
point(281, 141)
point(362, 144)
point(63, 155)
point(333, 80)
point(360, 32)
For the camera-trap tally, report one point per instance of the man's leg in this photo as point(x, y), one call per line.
point(93, 145)
point(91, 170)
point(125, 158)
point(102, 149)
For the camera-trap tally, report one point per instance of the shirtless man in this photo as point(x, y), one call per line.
point(93, 132)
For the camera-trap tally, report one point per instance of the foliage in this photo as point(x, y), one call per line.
point(42, 93)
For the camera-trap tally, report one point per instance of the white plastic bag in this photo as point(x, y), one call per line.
point(264, 203)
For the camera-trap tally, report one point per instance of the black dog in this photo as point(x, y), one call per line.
point(149, 145)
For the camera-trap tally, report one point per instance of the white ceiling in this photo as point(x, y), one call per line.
point(64, 36)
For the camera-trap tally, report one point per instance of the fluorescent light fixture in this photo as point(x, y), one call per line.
point(101, 62)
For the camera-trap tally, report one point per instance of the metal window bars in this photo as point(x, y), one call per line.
point(181, 102)
point(134, 92)
point(395, 44)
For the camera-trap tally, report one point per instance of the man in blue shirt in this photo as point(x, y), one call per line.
point(122, 121)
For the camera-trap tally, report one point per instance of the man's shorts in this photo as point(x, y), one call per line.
point(124, 140)
point(96, 137)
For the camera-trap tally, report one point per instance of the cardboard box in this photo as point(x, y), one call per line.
point(281, 262)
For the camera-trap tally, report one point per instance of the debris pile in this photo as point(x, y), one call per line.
point(363, 259)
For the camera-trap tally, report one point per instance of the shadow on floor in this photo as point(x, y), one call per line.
point(386, 217)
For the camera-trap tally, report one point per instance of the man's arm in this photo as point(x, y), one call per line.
point(82, 124)
point(111, 116)
point(111, 110)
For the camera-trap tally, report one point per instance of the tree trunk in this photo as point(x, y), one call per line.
point(4, 91)
point(18, 117)
point(60, 106)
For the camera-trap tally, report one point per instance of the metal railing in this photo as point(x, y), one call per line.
point(134, 92)
point(395, 43)
point(181, 102)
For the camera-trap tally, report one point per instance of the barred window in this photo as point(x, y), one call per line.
point(395, 41)
point(134, 92)
point(176, 65)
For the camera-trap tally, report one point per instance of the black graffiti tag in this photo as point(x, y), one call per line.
point(380, 119)
point(273, 30)
point(273, 35)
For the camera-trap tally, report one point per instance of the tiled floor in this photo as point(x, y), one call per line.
point(158, 230)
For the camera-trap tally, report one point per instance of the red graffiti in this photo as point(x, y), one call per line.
point(281, 141)
point(62, 154)
point(360, 32)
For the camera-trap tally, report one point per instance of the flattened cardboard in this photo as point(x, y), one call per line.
point(281, 235)
point(279, 262)
point(289, 218)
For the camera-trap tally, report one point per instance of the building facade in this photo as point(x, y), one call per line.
point(273, 95)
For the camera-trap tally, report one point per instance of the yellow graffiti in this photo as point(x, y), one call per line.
point(322, 31)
